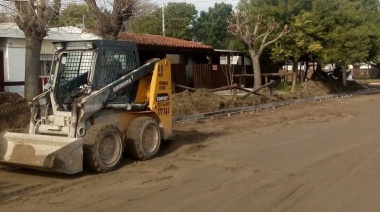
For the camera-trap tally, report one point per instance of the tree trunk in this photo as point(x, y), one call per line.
point(344, 76)
point(303, 74)
point(295, 75)
point(257, 82)
point(32, 66)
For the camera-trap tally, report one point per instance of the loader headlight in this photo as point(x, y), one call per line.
point(58, 46)
point(79, 45)
point(89, 45)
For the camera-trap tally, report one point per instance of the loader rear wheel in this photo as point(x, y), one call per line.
point(143, 138)
point(102, 148)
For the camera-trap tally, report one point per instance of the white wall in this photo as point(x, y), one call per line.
point(14, 60)
point(14, 63)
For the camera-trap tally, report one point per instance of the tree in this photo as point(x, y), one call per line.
point(257, 34)
point(150, 23)
point(29, 17)
point(303, 44)
point(283, 12)
point(350, 32)
point(341, 32)
point(110, 23)
point(34, 16)
point(75, 14)
point(178, 19)
point(229, 69)
point(55, 10)
point(211, 27)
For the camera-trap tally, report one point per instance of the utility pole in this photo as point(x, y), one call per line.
point(163, 18)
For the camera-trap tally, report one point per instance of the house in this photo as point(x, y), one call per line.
point(12, 53)
point(193, 63)
point(185, 56)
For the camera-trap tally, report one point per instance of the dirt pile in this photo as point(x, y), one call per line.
point(201, 101)
point(186, 103)
point(329, 86)
point(14, 112)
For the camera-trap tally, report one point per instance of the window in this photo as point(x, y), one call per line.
point(73, 71)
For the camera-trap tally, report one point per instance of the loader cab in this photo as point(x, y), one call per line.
point(85, 66)
point(73, 74)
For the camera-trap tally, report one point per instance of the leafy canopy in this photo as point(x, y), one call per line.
point(75, 14)
point(211, 26)
point(178, 19)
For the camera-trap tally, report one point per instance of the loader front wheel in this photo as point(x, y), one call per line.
point(102, 148)
point(143, 138)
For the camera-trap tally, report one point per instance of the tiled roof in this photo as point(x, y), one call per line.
point(161, 41)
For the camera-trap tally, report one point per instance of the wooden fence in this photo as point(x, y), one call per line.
point(372, 73)
point(202, 76)
point(212, 76)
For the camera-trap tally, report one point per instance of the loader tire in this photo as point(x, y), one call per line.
point(102, 148)
point(143, 138)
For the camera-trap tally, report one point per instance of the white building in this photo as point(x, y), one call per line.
point(12, 53)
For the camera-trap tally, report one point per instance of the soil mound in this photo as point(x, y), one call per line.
point(14, 112)
point(202, 101)
point(329, 86)
point(186, 103)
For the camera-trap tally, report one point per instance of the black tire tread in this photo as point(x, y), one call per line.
point(89, 148)
point(133, 138)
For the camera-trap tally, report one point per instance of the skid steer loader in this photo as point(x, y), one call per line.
point(101, 103)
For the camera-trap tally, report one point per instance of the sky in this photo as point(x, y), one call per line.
point(202, 4)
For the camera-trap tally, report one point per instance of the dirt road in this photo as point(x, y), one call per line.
point(322, 156)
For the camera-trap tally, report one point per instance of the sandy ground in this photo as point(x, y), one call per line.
point(319, 156)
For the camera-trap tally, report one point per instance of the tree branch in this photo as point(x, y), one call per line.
point(110, 25)
point(285, 31)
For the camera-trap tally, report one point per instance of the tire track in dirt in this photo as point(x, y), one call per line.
point(344, 169)
point(272, 168)
point(55, 189)
point(341, 165)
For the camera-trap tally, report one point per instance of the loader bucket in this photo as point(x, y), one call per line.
point(42, 152)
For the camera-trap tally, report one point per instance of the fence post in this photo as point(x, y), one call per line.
point(234, 91)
